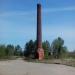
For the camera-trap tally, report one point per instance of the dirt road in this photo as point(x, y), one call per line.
point(20, 67)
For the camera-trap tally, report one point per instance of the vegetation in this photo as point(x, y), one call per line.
point(71, 54)
point(55, 50)
point(2, 51)
point(58, 48)
point(46, 47)
point(18, 51)
point(9, 51)
point(29, 50)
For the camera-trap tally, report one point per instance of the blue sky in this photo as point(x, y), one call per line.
point(18, 21)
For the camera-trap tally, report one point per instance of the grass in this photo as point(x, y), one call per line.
point(68, 62)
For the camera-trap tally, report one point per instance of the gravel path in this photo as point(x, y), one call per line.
point(20, 67)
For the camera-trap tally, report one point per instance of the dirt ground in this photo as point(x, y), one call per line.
point(20, 67)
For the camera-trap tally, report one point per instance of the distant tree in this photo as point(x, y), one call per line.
point(46, 47)
point(71, 54)
point(56, 50)
point(64, 52)
point(18, 51)
point(35, 49)
point(2, 51)
point(9, 50)
point(58, 47)
point(29, 49)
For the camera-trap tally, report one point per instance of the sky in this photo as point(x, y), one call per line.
point(18, 21)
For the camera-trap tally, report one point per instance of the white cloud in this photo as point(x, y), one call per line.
point(49, 31)
point(19, 13)
point(59, 9)
point(16, 13)
point(66, 31)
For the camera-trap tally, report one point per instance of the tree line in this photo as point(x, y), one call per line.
point(9, 51)
point(56, 49)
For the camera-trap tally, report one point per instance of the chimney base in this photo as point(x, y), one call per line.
point(40, 53)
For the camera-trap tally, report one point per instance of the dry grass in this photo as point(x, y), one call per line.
point(68, 62)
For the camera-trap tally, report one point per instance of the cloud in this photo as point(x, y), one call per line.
point(46, 10)
point(65, 31)
point(9, 29)
point(16, 13)
point(59, 9)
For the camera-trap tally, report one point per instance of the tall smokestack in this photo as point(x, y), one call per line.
point(39, 33)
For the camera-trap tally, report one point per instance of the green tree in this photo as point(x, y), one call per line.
point(9, 50)
point(18, 51)
point(46, 47)
point(2, 51)
point(58, 47)
point(64, 52)
point(71, 54)
point(29, 49)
